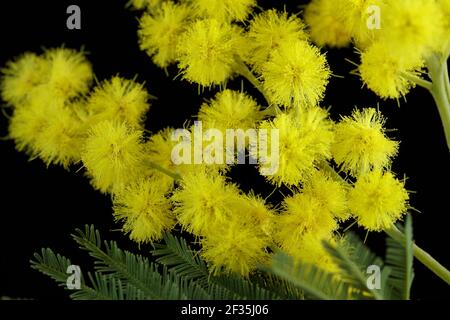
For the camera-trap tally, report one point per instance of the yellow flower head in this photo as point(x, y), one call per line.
point(378, 200)
point(70, 74)
point(357, 16)
point(235, 248)
point(62, 139)
point(119, 100)
point(325, 26)
point(303, 214)
point(384, 71)
point(230, 110)
point(296, 73)
point(253, 210)
point(159, 31)
point(224, 10)
point(48, 128)
point(207, 51)
point(361, 143)
point(302, 142)
point(330, 194)
point(144, 210)
point(412, 27)
point(268, 31)
point(29, 121)
point(204, 201)
point(113, 155)
point(21, 77)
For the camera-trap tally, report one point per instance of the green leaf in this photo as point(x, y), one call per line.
point(136, 272)
point(399, 257)
point(353, 258)
point(180, 259)
point(315, 282)
point(51, 264)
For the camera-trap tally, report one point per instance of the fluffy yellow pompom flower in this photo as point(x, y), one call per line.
point(48, 128)
point(330, 194)
point(207, 51)
point(62, 139)
point(235, 248)
point(296, 73)
point(159, 31)
point(224, 10)
point(302, 142)
point(113, 156)
point(325, 25)
point(412, 27)
point(70, 74)
point(357, 15)
point(378, 200)
point(29, 121)
point(386, 73)
point(361, 143)
point(268, 31)
point(203, 201)
point(119, 100)
point(144, 210)
point(21, 77)
point(303, 214)
point(254, 211)
point(230, 110)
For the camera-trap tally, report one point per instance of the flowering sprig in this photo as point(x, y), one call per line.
point(60, 120)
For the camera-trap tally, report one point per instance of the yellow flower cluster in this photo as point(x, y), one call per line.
point(394, 37)
point(210, 47)
point(59, 118)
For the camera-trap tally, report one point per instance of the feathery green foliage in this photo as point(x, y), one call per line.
point(399, 256)
point(179, 273)
point(353, 258)
point(316, 283)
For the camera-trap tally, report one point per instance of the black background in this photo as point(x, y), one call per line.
point(40, 207)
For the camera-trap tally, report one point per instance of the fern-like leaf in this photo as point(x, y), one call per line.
point(135, 271)
point(399, 257)
point(176, 254)
point(353, 259)
point(316, 283)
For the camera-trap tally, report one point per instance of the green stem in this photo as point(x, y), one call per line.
point(325, 166)
point(423, 256)
point(437, 71)
point(243, 70)
point(418, 80)
point(167, 172)
point(447, 81)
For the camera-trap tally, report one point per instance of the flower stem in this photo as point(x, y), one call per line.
point(423, 256)
point(447, 81)
point(244, 71)
point(173, 175)
point(439, 90)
